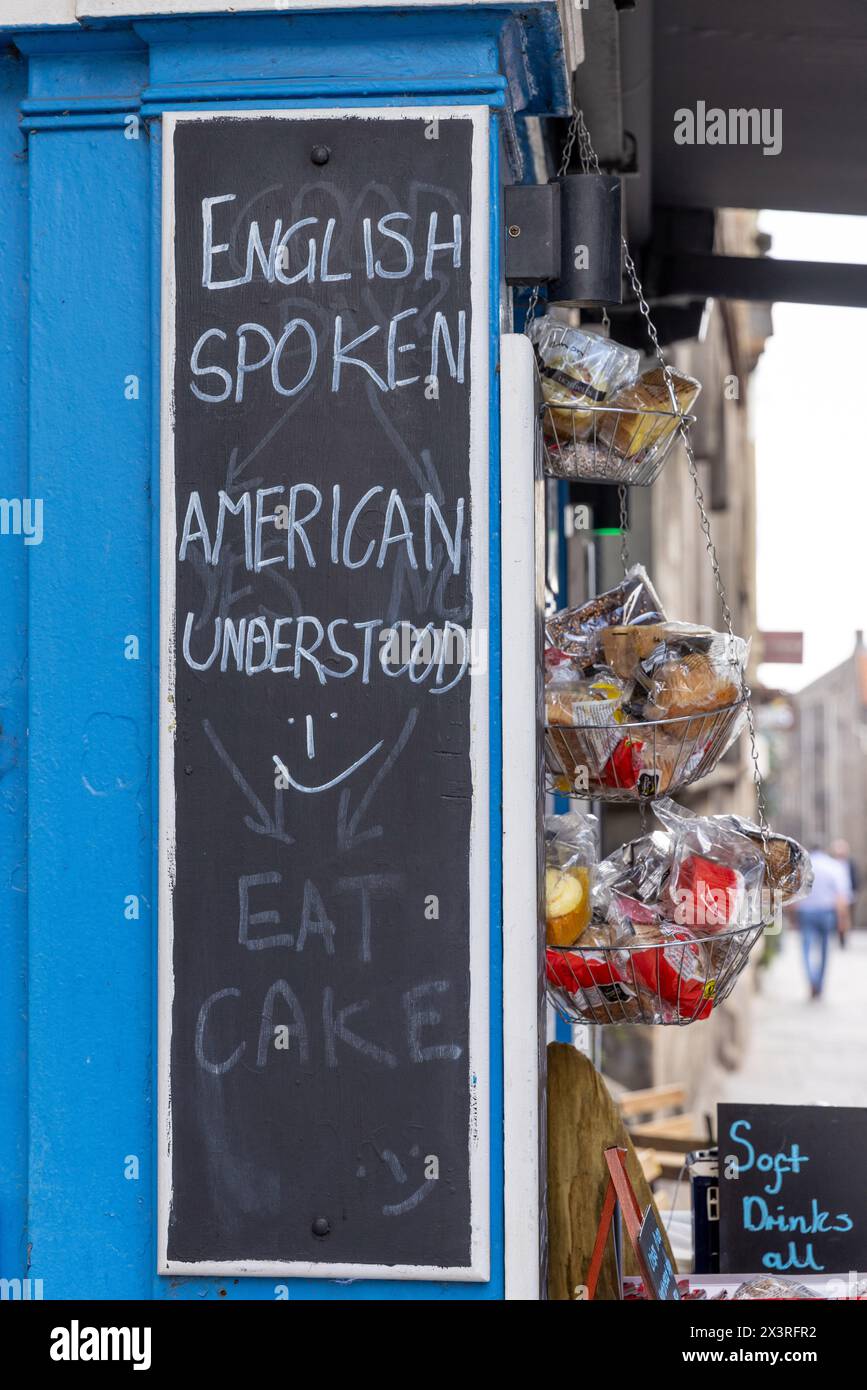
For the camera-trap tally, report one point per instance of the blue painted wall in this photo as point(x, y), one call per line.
point(81, 226)
point(13, 671)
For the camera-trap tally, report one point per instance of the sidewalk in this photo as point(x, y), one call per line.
point(803, 1052)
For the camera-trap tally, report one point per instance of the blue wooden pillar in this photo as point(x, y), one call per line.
point(13, 671)
point(80, 160)
point(90, 708)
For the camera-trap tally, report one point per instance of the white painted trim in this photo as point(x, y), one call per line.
point(104, 9)
point(521, 1041)
point(478, 1062)
point(28, 14)
point(166, 713)
point(573, 33)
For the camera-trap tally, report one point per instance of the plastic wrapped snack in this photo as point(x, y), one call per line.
point(690, 687)
point(637, 870)
point(691, 670)
point(789, 870)
point(767, 1286)
point(716, 879)
point(648, 417)
point(675, 914)
point(590, 714)
point(708, 852)
point(647, 762)
point(582, 459)
point(683, 685)
point(591, 978)
point(562, 681)
point(700, 872)
point(623, 647)
point(570, 856)
point(571, 699)
point(624, 764)
point(671, 965)
point(577, 632)
point(577, 368)
point(625, 909)
point(706, 894)
point(615, 1004)
point(585, 968)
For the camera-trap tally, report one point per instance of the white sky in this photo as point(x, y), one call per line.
point(810, 422)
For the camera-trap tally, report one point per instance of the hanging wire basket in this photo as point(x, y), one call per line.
point(679, 977)
point(679, 981)
point(638, 761)
point(608, 443)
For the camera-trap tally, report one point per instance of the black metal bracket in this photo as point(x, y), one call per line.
point(762, 279)
point(532, 232)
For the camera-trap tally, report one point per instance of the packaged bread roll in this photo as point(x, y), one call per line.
point(624, 647)
point(692, 684)
point(634, 431)
point(577, 368)
point(789, 871)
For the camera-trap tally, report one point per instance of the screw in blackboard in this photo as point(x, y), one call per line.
point(320, 154)
point(514, 230)
point(321, 1226)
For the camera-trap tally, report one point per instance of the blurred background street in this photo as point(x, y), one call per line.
point(802, 1051)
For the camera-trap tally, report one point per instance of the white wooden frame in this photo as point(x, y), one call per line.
point(478, 1062)
point(522, 1045)
point(26, 14)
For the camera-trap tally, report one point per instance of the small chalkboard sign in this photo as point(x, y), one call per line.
point(654, 1259)
point(324, 892)
point(793, 1199)
point(620, 1204)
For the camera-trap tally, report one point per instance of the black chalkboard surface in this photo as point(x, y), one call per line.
point(793, 1199)
point(658, 1267)
point(324, 473)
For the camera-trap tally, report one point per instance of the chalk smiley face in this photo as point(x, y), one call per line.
point(311, 754)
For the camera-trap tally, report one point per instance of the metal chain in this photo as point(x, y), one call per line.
point(586, 153)
point(589, 160)
point(531, 307)
point(624, 543)
point(704, 520)
point(575, 124)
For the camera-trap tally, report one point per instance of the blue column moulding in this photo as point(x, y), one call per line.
point(13, 673)
point(80, 160)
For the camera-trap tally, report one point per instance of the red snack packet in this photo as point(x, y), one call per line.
point(705, 894)
point(674, 967)
point(632, 910)
point(574, 970)
point(623, 768)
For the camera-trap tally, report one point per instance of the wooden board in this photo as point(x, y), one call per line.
point(324, 760)
point(583, 1121)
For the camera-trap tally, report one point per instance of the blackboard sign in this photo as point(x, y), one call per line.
point(792, 1194)
point(654, 1257)
point(324, 774)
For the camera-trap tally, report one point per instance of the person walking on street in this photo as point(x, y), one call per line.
point(841, 851)
point(825, 910)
